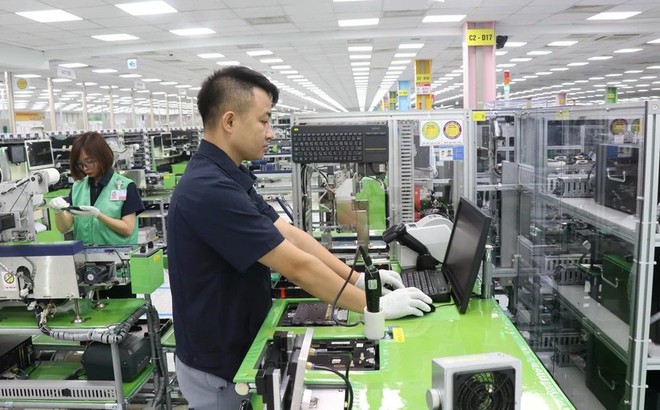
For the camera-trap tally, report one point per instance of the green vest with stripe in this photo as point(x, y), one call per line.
point(91, 230)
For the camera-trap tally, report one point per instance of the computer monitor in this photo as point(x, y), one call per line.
point(465, 251)
point(16, 153)
point(167, 139)
point(39, 154)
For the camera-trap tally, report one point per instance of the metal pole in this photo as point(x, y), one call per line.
point(487, 274)
point(167, 110)
point(192, 111)
point(9, 83)
point(133, 119)
point(51, 103)
point(151, 110)
point(84, 108)
point(116, 369)
point(180, 113)
point(111, 107)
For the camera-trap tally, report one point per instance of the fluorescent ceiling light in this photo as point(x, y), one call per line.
point(596, 78)
point(192, 31)
point(404, 55)
point(500, 52)
point(27, 75)
point(411, 46)
point(360, 69)
point(447, 18)
point(505, 65)
point(520, 60)
point(49, 16)
point(73, 65)
point(169, 83)
point(271, 60)
point(656, 41)
point(61, 80)
point(543, 73)
point(358, 22)
point(104, 70)
point(653, 67)
point(210, 55)
point(183, 86)
point(280, 67)
point(562, 43)
point(359, 56)
point(539, 52)
point(599, 58)
point(578, 64)
point(360, 63)
point(628, 50)
point(634, 71)
point(257, 53)
point(399, 62)
point(115, 37)
point(228, 63)
point(130, 75)
point(613, 75)
point(614, 15)
point(559, 69)
point(515, 44)
point(289, 72)
point(151, 80)
point(360, 48)
point(144, 8)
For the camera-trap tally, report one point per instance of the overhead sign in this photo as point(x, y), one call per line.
point(480, 37)
point(29, 116)
point(64, 72)
point(22, 83)
point(131, 63)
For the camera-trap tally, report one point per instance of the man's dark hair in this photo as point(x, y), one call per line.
point(231, 89)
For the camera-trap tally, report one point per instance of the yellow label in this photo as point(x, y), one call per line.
point(21, 84)
point(403, 93)
point(29, 116)
point(480, 37)
point(398, 335)
point(452, 130)
point(478, 115)
point(156, 258)
point(430, 130)
point(618, 126)
point(423, 78)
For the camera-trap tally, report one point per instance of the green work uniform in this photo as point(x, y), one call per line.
point(91, 230)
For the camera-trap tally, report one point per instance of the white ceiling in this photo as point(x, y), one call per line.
point(305, 35)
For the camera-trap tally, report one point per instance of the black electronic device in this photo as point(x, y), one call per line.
point(315, 314)
point(460, 268)
point(16, 153)
point(134, 356)
point(167, 139)
point(371, 282)
point(39, 154)
point(15, 352)
point(362, 143)
point(616, 176)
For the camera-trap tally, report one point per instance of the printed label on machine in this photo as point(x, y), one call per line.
point(9, 281)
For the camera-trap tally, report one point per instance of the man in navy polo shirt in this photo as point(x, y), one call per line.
point(223, 240)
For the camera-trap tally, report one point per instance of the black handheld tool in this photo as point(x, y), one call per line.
point(371, 283)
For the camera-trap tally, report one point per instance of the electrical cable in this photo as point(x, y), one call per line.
point(334, 303)
point(349, 387)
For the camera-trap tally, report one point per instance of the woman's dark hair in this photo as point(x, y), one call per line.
point(96, 148)
point(230, 89)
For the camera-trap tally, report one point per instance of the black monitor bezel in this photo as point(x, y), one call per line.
point(460, 295)
point(30, 156)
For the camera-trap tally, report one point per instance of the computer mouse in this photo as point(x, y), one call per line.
point(432, 306)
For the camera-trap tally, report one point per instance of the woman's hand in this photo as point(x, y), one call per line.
point(85, 211)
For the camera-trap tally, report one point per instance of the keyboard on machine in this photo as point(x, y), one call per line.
point(432, 282)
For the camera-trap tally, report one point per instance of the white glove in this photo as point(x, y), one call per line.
point(405, 302)
point(86, 211)
point(387, 277)
point(58, 204)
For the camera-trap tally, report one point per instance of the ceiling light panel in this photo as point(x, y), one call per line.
point(258, 53)
point(49, 16)
point(210, 55)
point(562, 43)
point(614, 15)
point(358, 22)
point(446, 18)
point(144, 8)
point(115, 37)
point(199, 31)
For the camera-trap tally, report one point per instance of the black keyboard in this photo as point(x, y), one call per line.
point(339, 143)
point(431, 282)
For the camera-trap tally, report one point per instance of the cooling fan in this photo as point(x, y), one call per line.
point(489, 381)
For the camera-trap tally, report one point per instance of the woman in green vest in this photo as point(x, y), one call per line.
point(103, 206)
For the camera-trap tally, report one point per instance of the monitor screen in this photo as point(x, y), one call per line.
point(39, 154)
point(167, 139)
point(16, 154)
point(465, 251)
